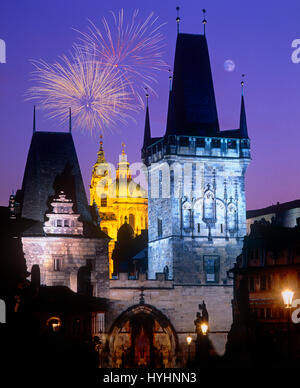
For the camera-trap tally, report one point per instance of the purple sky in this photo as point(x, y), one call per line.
point(256, 35)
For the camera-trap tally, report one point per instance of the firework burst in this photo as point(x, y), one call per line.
point(134, 49)
point(95, 92)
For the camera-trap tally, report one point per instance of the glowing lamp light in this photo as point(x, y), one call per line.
point(189, 339)
point(204, 328)
point(287, 296)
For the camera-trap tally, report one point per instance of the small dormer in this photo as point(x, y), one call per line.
point(62, 219)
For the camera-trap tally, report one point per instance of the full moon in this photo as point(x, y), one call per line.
point(229, 65)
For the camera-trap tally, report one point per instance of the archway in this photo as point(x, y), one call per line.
point(142, 336)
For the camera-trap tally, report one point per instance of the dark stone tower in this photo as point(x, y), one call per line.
point(197, 206)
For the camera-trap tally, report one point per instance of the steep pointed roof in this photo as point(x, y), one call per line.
point(192, 106)
point(243, 121)
point(147, 131)
point(52, 166)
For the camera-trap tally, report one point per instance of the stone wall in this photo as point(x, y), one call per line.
point(182, 244)
point(179, 303)
point(73, 253)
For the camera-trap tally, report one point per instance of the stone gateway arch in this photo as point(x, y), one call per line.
point(142, 336)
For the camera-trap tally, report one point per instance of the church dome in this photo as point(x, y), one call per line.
point(125, 232)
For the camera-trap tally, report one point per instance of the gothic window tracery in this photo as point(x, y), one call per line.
point(232, 218)
point(186, 215)
point(209, 206)
point(198, 205)
point(220, 216)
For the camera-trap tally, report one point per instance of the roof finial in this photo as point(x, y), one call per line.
point(204, 21)
point(34, 129)
point(170, 79)
point(70, 120)
point(147, 95)
point(178, 19)
point(242, 83)
point(123, 148)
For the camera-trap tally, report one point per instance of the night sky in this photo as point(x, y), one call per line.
point(256, 35)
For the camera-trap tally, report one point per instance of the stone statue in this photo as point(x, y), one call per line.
point(204, 316)
point(198, 322)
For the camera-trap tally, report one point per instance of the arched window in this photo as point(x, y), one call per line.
point(198, 216)
point(54, 323)
point(132, 221)
point(103, 200)
point(186, 215)
point(232, 218)
point(220, 217)
point(209, 206)
point(166, 272)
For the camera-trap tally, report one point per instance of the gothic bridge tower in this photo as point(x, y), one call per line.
point(196, 178)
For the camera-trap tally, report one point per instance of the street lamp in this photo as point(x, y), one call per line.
point(204, 328)
point(287, 296)
point(189, 340)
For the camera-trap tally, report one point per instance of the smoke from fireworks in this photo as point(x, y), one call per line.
point(95, 92)
point(133, 48)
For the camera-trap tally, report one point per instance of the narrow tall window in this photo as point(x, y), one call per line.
point(56, 264)
point(103, 201)
point(59, 223)
point(251, 284)
point(263, 283)
point(212, 268)
point(160, 183)
point(100, 323)
point(132, 221)
point(221, 228)
point(198, 228)
point(159, 227)
point(269, 282)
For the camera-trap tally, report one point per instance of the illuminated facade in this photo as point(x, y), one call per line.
point(60, 235)
point(268, 265)
point(196, 213)
point(196, 216)
point(118, 198)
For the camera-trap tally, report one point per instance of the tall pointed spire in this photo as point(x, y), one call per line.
point(101, 157)
point(34, 124)
point(243, 121)
point(147, 132)
point(70, 120)
point(192, 105)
